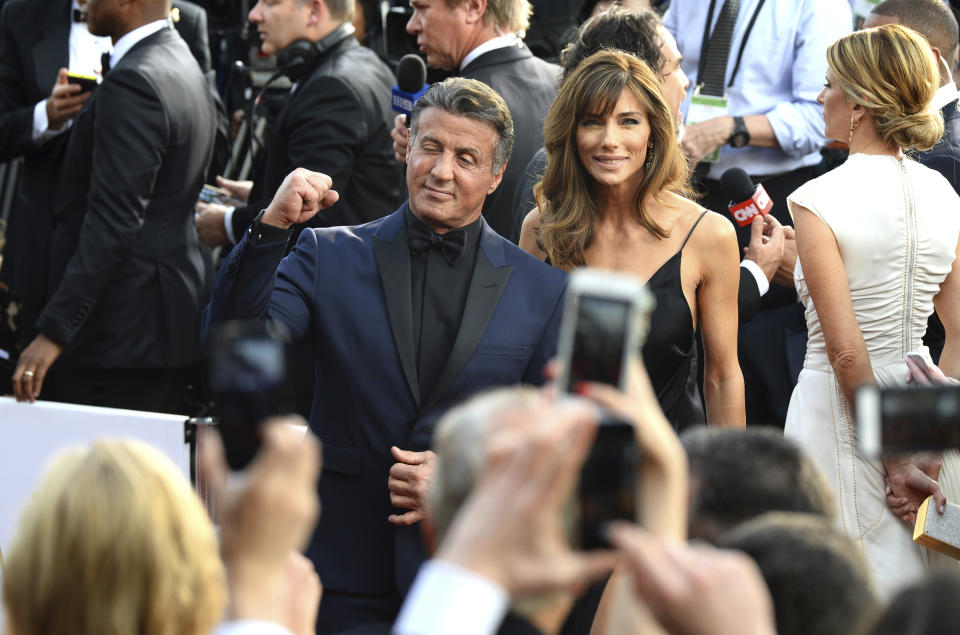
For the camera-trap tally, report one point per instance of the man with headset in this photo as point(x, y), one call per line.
point(336, 120)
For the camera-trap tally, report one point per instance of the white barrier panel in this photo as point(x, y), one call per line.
point(30, 434)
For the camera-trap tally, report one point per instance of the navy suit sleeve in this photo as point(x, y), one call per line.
point(257, 281)
point(16, 115)
point(130, 134)
point(748, 296)
point(547, 346)
point(326, 123)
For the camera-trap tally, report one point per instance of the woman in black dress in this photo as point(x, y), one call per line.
point(611, 198)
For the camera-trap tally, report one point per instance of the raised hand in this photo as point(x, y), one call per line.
point(301, 195)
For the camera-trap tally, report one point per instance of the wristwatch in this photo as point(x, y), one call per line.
point(740, 136)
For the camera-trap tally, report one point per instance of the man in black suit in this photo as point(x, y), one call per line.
point(38, 42)
point(406, 316)
point(125, 315)
point(479, 39)
point(935, 21)
point(336, 121)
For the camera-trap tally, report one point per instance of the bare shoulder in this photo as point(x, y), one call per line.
point(528, 234)
point(532, 220)
point(711, 231)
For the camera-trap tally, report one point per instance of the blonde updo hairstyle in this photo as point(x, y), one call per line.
point(113, 542)
point(568, 209)
point(891, 72)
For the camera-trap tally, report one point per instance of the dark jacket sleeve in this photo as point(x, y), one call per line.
point(325, 124)
point(16, 114)
point(748, 297)
point(130, 134)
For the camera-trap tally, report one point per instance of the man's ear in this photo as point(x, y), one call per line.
point(497, 178)
point(318, 12)
point(474, 10)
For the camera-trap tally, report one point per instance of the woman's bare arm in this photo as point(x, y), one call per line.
point(947, 304)
point(826, 279)
point(717, 309)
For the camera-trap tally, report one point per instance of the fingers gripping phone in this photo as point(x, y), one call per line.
point(605, 321)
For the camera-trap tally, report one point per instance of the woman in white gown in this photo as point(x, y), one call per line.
point(878, 245)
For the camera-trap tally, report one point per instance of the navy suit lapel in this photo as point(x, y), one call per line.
point(393, 260)
point(489, 279)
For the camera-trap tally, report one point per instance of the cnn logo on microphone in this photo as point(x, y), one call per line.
point(758, 204)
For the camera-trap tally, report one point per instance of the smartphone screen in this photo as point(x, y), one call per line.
point(599, 340)
point(247, 372)
point(896, 420)
point(608, 488)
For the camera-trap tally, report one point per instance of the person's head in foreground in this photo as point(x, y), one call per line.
point(610, 129)
point(926, 607)
point(461, 441)
point(737, 475)
point(114, 542)
point(878, 90)
point(818, 579)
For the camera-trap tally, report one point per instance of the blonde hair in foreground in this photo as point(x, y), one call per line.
point(114, 542)
point(891, 72)
point(568, 209)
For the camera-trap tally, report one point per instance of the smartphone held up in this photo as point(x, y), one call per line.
point(605, 321)
point(248, 370)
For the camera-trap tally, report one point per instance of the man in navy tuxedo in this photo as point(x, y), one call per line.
point(407, 316)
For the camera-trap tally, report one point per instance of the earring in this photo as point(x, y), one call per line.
point(649, 163)
point(853, 126)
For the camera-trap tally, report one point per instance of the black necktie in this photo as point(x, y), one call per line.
point(104, 64)
point(718, 50)
point(79, 16)
point(450, 245)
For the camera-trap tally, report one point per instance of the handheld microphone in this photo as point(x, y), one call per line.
point(411, 85)
point(746, 200)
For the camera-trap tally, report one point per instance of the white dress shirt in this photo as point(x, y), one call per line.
point(782, 72)
point(85, 51)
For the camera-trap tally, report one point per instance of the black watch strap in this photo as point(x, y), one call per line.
point(260, 233)
point(740, 136)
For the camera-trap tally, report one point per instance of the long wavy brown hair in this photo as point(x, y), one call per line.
point(565, 197)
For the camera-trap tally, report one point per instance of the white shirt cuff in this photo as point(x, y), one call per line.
point(228, 224)
point(250, 627)
point(41, 125)
point(446, 598)
point(762, 283)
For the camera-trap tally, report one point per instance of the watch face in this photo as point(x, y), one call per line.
point(739, 139)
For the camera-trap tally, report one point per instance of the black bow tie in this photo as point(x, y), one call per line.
point(79, 16)
point(104, 64)
point(451, 245)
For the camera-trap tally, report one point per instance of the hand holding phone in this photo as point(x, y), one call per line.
point(64, 102)
point(604, 322)
point(248, 365)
